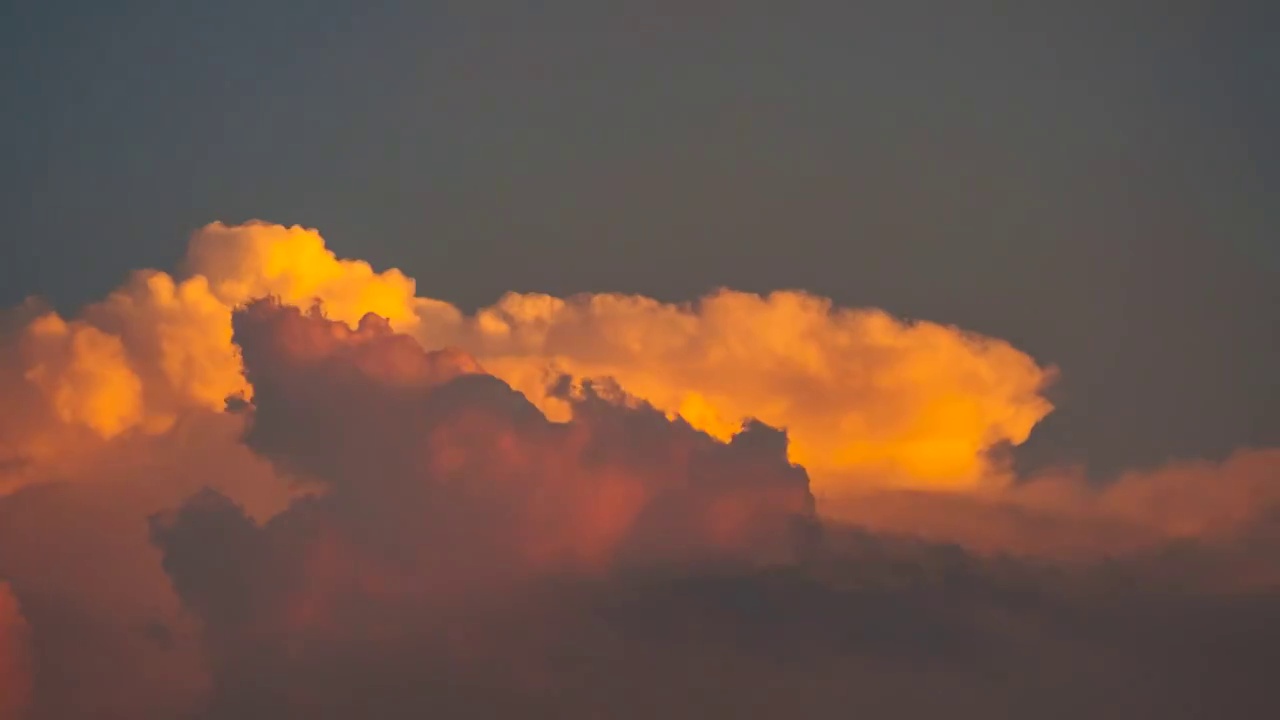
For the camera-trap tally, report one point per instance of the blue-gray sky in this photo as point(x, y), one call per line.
point(1095, 182)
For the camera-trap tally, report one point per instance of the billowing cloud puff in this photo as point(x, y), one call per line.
point(255, 260)
point(152, 351)
point(865, 398)
point(160, 346)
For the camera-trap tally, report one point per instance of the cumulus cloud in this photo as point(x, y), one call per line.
point(280, 483)
point(247, 262)
point(865, 398)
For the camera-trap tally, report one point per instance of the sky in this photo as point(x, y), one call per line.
point(1008, 278)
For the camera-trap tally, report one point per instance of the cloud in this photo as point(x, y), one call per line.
point(583, 507)
point(454, 561)
point(152, 351)
point(246, 262)
point(1060, 514)
point(444, 489)
point(865, 398)
point(389, 429)
point(160, 346)
point(109, 638)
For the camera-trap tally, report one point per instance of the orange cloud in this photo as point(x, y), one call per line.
point(866, 399)
point(85, 374)
point(385, 522)
point(160, 346)
point(869, 402)
point(257, 259)
point(152, 351)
